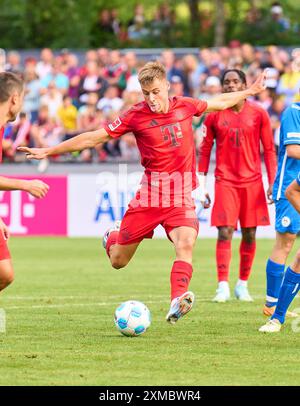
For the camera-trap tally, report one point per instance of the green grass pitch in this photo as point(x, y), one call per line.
point(60, 328)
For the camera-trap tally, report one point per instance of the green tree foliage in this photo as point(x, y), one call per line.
point(73, 23)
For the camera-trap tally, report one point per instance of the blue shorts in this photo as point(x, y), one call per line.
point(287, 218)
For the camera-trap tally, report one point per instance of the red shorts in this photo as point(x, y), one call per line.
point(4, 251)
point(246, 204)
point(139, 222)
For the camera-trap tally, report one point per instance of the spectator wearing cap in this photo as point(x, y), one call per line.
point(176, 86)
point(277, 16)
point(212, 87)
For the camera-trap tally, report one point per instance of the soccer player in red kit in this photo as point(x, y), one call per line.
point(239, 193)
point(163, 130)
point(11, 98)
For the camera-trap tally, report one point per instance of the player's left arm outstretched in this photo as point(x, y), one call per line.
point(78, 143)
point(227, 100)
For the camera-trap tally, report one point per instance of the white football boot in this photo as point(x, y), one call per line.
point(180, 306)
point(241, 293)
point(271, 326)
point(116, 227)
point(223, 293)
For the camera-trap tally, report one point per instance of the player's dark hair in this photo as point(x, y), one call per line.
point(9, 82)
point(239, 72)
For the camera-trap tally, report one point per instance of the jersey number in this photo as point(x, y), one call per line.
point(236, 137)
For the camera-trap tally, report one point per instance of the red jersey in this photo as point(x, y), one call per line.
point(1, 139)
point(165, 141)
point(238, 136)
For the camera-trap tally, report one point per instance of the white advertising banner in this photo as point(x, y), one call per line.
point(96, 201)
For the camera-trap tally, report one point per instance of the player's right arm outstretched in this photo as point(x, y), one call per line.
point(78, 143)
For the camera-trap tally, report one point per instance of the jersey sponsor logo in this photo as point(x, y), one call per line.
point(153, 123)
point(115, 124)
point(173, 133)
point(285, 221)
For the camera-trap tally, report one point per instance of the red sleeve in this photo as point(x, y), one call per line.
point(121, 125)
point(198, 106)
point(267, 140)
point(207, 143)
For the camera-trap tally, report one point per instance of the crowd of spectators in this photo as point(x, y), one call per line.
point(64, 97)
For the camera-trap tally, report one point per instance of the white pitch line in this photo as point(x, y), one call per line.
point(68, 305)
point(62, 305)
point(50, 297)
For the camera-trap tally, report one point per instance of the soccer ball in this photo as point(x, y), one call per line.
point(132, 318)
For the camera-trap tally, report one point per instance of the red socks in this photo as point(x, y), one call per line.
point(223, 258)
point(180, 277)
point(247, 254)
point(112, 240)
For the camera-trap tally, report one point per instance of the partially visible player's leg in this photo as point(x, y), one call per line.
point(247, 254)
point(287, 226)
point(225, 214)
point(182, 299)
point(275, 269)
point(223, 259)
point(289, 289)
point(120, 255)
point(6, 268)
point(6, 273)
point(122, 240)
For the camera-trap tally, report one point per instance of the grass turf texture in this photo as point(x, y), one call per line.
point(60, 328)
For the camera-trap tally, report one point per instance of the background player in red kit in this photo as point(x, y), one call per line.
point(239, 192)
point(163, 130)
point(11, 98)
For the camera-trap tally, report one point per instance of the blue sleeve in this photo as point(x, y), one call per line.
point(298, 178)
point(290, 125)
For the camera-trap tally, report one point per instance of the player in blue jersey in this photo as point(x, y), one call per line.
point(287, 218)
point(291, 282)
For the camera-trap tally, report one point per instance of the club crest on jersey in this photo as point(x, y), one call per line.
point(285, 221)
point(115, 124)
